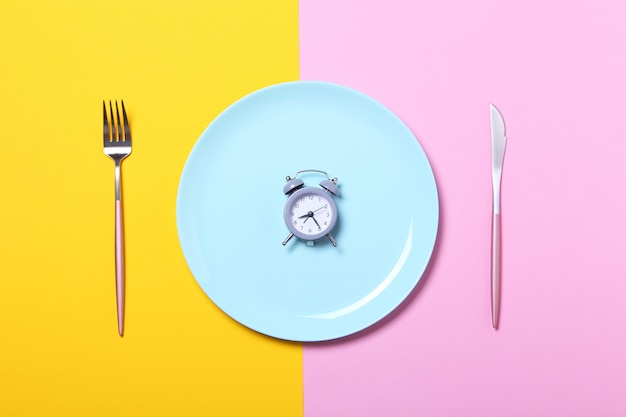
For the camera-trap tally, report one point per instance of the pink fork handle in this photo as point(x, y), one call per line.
point(496, 268)
point(119, 266)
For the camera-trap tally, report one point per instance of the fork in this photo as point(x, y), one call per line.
point(117, 146)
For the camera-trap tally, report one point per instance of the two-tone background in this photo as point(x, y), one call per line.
point(556, 70)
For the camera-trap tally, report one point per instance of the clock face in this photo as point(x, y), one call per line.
point(310, 213)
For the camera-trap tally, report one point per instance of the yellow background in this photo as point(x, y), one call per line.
point(176, 64)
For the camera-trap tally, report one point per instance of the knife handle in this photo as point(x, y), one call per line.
point(120, 283)
point(496, 268)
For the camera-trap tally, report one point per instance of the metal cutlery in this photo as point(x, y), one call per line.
point(117, 146)
point(498, 145)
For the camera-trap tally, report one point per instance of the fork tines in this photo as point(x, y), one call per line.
point(113, 132)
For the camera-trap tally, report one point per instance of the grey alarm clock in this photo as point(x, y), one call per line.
point(310, 213)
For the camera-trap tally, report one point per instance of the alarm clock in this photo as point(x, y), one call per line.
point(310, 213)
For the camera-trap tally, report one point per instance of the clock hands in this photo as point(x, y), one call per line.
point(312, 213)
point(311, 217)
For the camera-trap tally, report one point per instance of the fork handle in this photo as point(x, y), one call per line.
point(496, 268)
point(120, 283)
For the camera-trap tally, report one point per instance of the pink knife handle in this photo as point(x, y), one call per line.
point(119, 266)
point(496, 268)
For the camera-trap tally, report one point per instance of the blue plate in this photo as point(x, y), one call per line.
point(230, 211)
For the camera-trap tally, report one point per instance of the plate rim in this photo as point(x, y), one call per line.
point(436, 200)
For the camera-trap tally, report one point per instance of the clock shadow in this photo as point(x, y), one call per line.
point(410, 299)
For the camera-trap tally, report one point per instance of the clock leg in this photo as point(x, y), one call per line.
point(331, 239)
point(288, 239)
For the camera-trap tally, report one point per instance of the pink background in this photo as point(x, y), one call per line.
point(557, 71)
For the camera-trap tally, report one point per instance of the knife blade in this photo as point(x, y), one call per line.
point(498, 145)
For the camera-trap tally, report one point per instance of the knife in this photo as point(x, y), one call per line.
point(498, 144)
